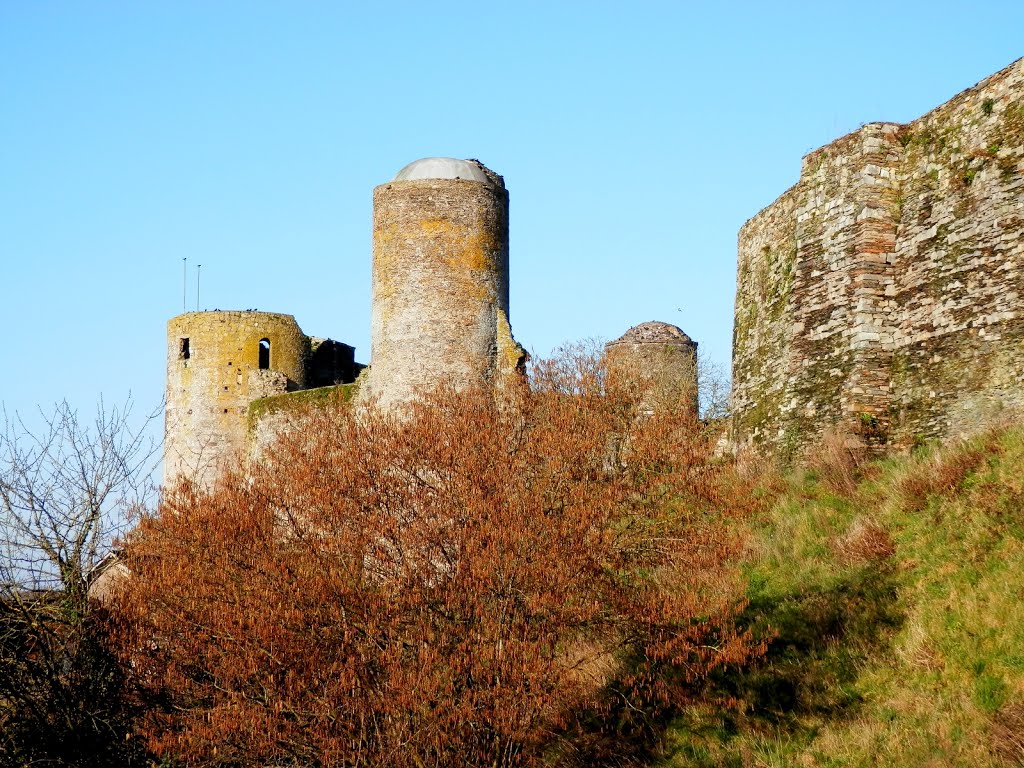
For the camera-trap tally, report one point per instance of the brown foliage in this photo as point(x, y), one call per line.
point(946, 470)
point(457, 586)
point(867, 542)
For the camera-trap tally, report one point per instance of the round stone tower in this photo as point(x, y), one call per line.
point(660, 360)
point(217, 364)
point(440, 280)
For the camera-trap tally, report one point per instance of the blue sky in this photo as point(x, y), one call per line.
point(635, 139)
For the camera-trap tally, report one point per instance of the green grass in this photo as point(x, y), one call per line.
point(895, 610)
point(295, 401)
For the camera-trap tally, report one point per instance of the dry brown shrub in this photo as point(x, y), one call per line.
point(837, 463)
point(944, 472)
point(464, 585)
point(866, 542)
point(1008, 733)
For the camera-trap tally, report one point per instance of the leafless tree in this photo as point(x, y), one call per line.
point(713, 387)
point(67, 489)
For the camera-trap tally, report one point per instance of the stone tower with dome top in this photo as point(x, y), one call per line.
point(440, 307)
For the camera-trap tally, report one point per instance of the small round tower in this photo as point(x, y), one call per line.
point(660, 360)
point(217, 364)
point(440, 280)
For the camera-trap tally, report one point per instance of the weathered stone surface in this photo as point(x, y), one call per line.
point(213, 373)
point(661, 360)
point(440, 286)
point(276, 415)
point(882, 293)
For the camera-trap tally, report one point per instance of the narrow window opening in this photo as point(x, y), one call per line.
point(183, 352)
point(264, 354)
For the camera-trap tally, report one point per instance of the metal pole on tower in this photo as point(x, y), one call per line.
point(184, 283)
point(199, 270)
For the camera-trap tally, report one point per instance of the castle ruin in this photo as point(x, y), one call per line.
point(440, 313)
point(883, 294)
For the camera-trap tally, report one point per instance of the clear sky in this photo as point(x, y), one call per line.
point(635, 139)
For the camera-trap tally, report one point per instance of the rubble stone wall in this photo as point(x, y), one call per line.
point(882, 294)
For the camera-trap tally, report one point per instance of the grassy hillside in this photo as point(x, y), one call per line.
point(894, 596)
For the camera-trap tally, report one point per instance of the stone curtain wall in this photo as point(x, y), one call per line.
point(280, 414)
point(960, 336)
point(882, 293)
point(763, 329)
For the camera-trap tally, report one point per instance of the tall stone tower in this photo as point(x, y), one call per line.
point(660, 360)
point(440, 280)
point(217, 364)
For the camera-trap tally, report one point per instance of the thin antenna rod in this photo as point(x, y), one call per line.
point(199, 270)
point(184, 283)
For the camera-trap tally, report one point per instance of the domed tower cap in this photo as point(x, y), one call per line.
point(449, 168)
point(655, 332)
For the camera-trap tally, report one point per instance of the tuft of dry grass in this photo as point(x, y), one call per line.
point(944, 472)
point(866, 542)
point(1008, 732)
point(837, 464)
point(918, 649)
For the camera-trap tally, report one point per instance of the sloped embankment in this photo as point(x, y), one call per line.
point(894, 593)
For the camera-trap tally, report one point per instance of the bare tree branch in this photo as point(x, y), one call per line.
point(68, 488)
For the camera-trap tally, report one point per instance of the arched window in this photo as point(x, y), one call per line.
point(264, 354)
